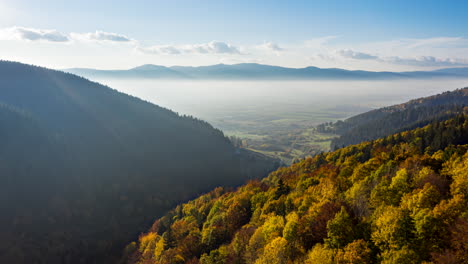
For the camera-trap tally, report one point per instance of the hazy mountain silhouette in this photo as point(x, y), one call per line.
point(260, 71)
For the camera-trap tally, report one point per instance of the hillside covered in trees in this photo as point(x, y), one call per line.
point(398, 199)
point(84, 168)
point(389, 120)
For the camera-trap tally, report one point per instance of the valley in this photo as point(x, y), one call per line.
point(279, 118)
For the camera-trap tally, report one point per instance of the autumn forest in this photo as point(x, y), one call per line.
point(398, 199)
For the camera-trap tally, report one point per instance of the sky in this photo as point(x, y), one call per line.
point(358, 35)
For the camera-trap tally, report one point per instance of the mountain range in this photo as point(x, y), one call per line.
point(85, 169)
point(260, 71)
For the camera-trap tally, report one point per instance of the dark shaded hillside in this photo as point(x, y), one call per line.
point(399, 199)
point(19, 131)
point(388, 120)
point(84, 168)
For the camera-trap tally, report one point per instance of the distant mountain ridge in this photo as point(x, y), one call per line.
point(261, 71)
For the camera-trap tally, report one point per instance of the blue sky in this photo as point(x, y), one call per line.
point(381, 35)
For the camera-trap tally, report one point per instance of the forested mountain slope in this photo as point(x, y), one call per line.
point(388, 120)
point(84, 168)
point(399, 199)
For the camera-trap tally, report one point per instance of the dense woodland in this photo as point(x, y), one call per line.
point(84, 169)
point(398, 199)
point(389, 120)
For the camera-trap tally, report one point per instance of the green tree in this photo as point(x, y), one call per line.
point(400, 256)
point(340, 230)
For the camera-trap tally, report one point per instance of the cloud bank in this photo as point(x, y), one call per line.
point(420, 61)
point(347, 53)
point(327, 51)
point(52, 35)
point(427, 61)
point(213, 47)
point(32, 34)
point(100, 36)
point(270, 46)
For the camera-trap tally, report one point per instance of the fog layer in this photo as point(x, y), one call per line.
point(251, 105)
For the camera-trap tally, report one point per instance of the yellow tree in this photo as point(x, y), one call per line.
point(274, 252)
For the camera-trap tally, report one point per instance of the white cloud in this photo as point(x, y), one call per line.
point(213, 47)
point(426, 61)
point(100, 36)
point(163, 49)
point(32, 34)
point(52, 35)
point(323, 57)
point(327, 51)
point(420, 61)
point(270, 46)
point(351, 54)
